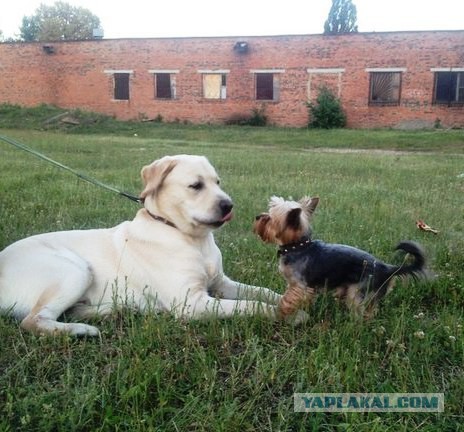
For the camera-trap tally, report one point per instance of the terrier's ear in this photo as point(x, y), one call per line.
point(313, 204)
point(293, 218)
point(309, 204)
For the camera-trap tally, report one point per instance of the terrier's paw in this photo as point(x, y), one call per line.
point(298, 318)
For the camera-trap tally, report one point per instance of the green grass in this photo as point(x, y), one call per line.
point(155, 373)
point(268, 138)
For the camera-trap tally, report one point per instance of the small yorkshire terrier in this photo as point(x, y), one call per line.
point(311, 266)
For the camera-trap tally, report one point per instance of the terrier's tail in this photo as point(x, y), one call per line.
point(416, 269)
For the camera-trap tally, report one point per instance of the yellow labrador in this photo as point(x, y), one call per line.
point(165, 259)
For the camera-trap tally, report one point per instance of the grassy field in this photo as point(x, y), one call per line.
point(152, 373)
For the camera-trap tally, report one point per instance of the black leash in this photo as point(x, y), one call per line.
point(76, 173)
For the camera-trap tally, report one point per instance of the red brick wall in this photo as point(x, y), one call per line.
point(73, 76)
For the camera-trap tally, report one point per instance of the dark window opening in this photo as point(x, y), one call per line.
point(385, 88)
point(449, 88)
point(163, 86)
point(121, 86)
point(265, 86)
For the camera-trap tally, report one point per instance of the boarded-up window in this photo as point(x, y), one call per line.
point(164, 86)
point(385, 88)
point(449, 88)
point(267, 86)
point(214, 86)
point(121, 86)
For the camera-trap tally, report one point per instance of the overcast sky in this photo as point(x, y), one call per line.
point(165, 18)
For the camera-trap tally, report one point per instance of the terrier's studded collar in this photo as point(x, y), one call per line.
point(303, 243)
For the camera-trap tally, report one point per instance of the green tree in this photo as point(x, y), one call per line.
point(342, 18)
point(61, 21)
point(29, 30)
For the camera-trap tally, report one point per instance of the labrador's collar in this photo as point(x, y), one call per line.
point(160, 219)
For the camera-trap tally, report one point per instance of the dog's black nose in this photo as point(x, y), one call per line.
point(258, 217)
point(226, 206)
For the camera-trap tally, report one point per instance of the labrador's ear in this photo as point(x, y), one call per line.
point(154, 175)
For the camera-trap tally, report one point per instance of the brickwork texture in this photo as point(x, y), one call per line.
point(80, 74)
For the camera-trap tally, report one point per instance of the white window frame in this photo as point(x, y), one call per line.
point(119, 71)
point(399, 70)
point(322, 71)
point(173, 73)
point(459, 85)
point(223, 88)
point(275, 83)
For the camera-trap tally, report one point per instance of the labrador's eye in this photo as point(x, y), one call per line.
point(197, 186)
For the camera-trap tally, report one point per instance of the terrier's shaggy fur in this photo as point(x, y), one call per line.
point(310, 266)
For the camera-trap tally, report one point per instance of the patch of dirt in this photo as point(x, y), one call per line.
point(379, 152)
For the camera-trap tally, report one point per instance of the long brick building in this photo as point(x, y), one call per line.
point(398, 79)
